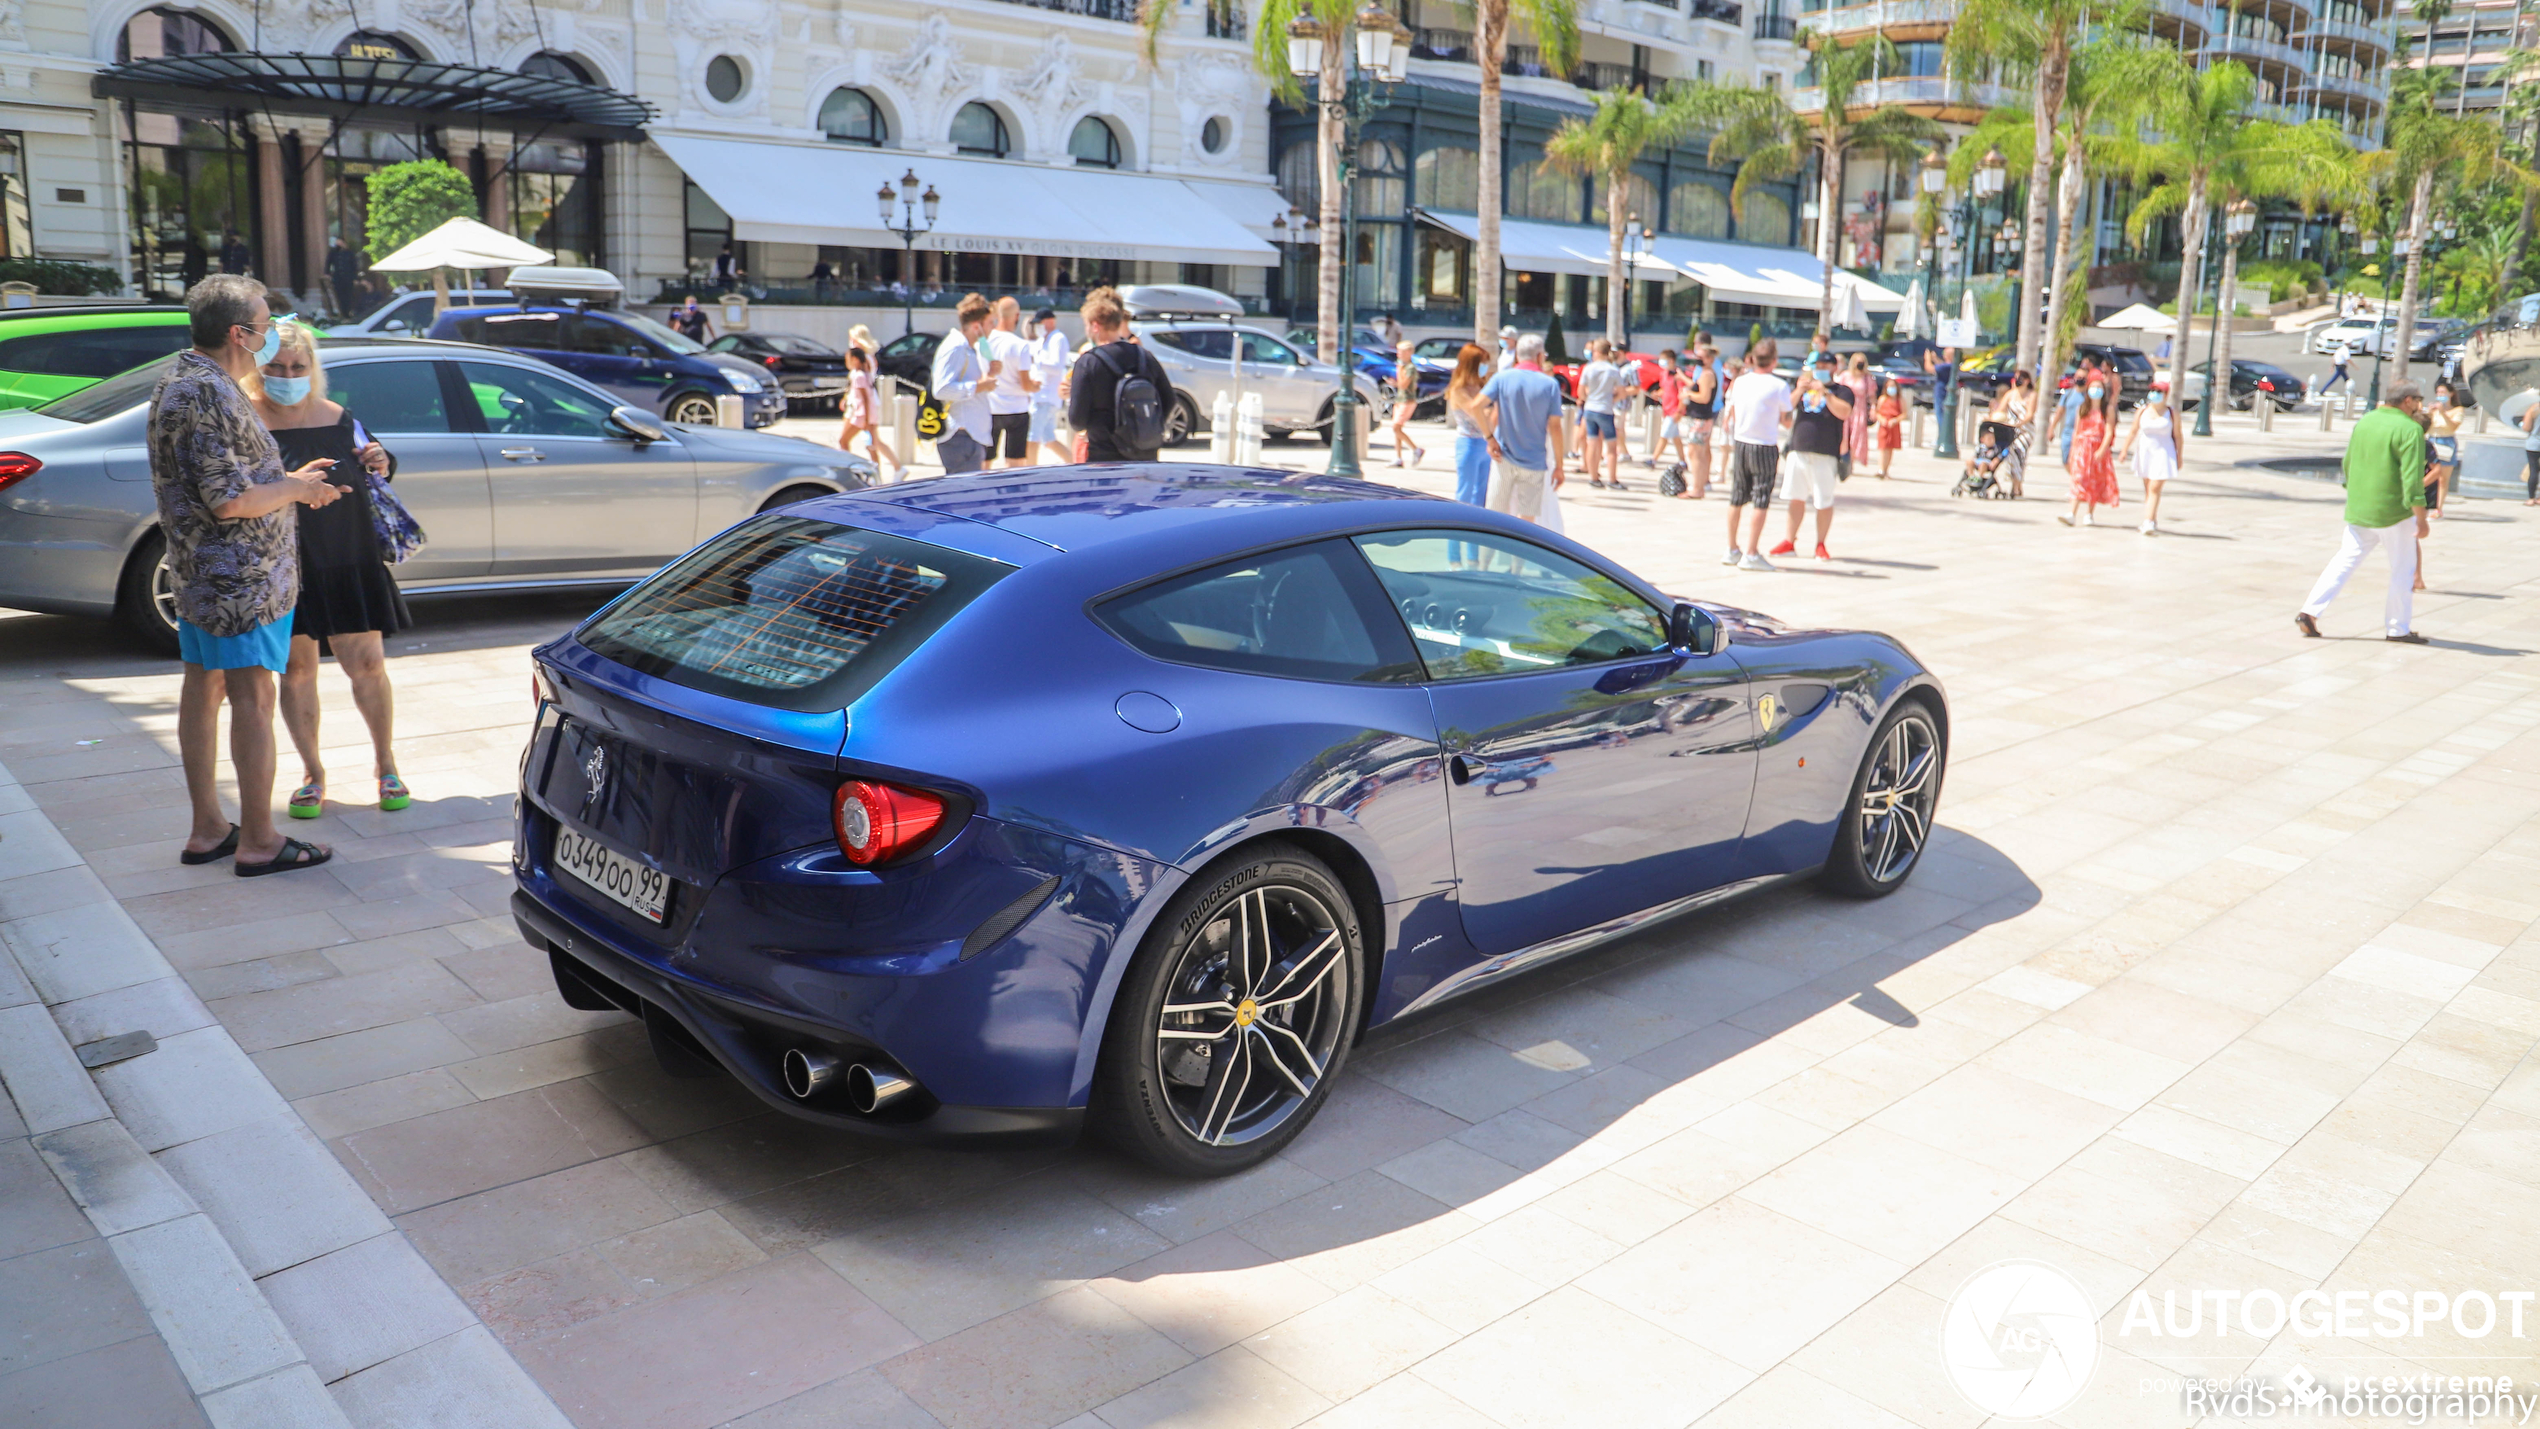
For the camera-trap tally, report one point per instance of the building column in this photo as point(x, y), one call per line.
point(313, 216)
point(273, 236)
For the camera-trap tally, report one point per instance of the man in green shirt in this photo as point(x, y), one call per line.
point(2385, 508)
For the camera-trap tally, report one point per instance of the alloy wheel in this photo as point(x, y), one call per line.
point(694, 411)
point(163, 592)
point(1897, 798)
point(1253, 1015)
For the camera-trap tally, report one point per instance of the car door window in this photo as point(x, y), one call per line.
point(1207, 346)
point(515, 401)
point(1482, 604)
point(601, 338)
point(1268, 351)
point(541, 331)
point(92, 352)
point(1308, 612)
point(391, 397)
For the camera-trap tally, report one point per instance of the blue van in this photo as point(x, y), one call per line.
point(628, 355)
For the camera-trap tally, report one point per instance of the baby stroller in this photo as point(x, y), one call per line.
point(1996, 467)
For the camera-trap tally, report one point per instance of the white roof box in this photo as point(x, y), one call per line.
point(594, 285)
point(1155, 300)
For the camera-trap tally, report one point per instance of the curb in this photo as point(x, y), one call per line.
point(285, 1296)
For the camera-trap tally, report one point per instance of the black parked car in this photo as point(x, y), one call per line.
point(811, 372)
point(1901, 362)
point(2134, 369)
point(910, 358)
point(2248, 379)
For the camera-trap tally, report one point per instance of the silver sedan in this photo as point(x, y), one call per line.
point(520, 475)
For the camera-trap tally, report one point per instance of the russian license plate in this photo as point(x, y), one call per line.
point(618, 878)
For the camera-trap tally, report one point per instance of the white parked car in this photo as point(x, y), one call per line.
point(1192, 331)
point(410, 314)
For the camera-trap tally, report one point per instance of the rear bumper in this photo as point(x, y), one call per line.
point(739, 1036)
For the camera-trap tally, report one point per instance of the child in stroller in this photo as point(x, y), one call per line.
point(2000, 460)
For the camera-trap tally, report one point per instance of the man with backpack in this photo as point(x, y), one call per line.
point(1117, 391)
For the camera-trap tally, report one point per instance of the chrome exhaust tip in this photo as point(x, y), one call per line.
point(869, 1089)
point(807, 1074)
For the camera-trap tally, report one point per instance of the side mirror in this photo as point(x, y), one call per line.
point(394, 325)
point(1689, 627)
point(637, 425)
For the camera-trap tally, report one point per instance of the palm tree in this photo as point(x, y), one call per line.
point(1270, 57)
point(2423, 146)
point(2521, 116)
point(1555, 26)
point(2432, 13)
point(1772, 141)
point(2036, 39)
point(2209, 153)
point(1606, 144)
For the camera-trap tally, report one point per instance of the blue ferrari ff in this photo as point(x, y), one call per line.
point(990, 806)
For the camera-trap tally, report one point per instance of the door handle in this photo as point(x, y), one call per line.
point(1459, 771)
point(523, 454)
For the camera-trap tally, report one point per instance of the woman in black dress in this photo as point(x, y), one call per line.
point(348, 602)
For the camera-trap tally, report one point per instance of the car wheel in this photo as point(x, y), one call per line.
point(1888, 819)
point(1180, 422)
point(1235, 1017)
point(790, 495)
point(694, 408)
point(146, 599)
point(1323, 422)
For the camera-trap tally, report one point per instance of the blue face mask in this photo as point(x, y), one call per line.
point(287, 391)
point(273, 338)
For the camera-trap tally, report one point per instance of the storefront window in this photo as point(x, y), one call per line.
point(164, 34)
point(1641, 203)
point(1448, 179)
point(709, 232)
point(1697, 210)
point(1764, 218)
point(1445, 269)
point(1537, 190)
point(191, 203)
point(555, 199)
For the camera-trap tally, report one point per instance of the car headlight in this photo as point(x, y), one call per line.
point(742, 381)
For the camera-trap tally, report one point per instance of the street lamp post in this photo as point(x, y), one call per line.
point(1634, 235)
point(1381, 53)
point(1987, 186)
point(2238, 222)
point(2400, 244)
point(910, 204)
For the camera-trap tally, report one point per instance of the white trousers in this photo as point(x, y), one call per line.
point(2400, 542)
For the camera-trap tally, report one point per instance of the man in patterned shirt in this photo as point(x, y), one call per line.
point(228, 510)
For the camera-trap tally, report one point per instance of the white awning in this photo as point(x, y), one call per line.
point(1252, 205)
point(1733, 272)
point(824, 193)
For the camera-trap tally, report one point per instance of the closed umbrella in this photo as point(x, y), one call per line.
point(1909, 323)
point(1967, 310)
point(1848, 309)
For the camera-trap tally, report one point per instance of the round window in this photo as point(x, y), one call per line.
point(724, 79)
point(1212, 136)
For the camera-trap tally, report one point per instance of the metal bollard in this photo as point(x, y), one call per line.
point(904, 427)
point(728, 411)
point(2266, 413)
point(2481, 428)
point(1921, 438)
point(2327, 411)
point(1221, 429)
point(1248, 433)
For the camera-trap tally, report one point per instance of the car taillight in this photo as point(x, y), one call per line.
point(774, 361)
point(2266, 384)
point(540, 692)
point(877, 821)
point(16, 467)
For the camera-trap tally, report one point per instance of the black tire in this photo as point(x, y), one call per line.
point(145, 597)
point(1324, 423)
point(1161, 1090)
point(694, 408)
point(790, 495)
point(1180, 421)
point(1884, 827)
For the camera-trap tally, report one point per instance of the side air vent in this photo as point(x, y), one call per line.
point(1006, 920)
point(1801, 700)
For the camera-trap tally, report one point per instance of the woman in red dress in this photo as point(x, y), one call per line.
point(2094, 462)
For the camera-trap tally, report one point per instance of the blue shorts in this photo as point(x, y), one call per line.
point(1600, 424)
point(1044, 426)
point(268, 645)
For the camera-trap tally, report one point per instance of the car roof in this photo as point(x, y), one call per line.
point(1077, 508)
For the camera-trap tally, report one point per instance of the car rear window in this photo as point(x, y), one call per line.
point(789, 611)
point(1311, 612)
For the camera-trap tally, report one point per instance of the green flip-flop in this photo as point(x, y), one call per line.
point(393, 794)
point(308, 801)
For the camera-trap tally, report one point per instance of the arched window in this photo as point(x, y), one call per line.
point(164, 34)
point(1448, 178)
point(1094, 145)
point(1538, 190)
point(1641, 199)
point(1698, 210)
point(547, 64)
point(1764, 218)
point(977, 129)
point(372, 45)
point(849, 116)
point(1301, 177)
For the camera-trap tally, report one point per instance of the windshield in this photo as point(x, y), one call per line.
point(120, 393)
point(658, 333)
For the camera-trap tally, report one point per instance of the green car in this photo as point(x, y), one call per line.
point(52, 352)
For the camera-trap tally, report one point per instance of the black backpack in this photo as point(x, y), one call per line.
point(1137, 408)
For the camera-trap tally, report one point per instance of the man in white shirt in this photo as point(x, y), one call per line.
point(1758, 407)
point(962, 380)
point(1599, 382)
point(1010, 400)
point(1507, 350)
point(1052, 355)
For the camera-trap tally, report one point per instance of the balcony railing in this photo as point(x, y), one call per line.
point(1228, 22)
point(1124, 11)
point(1888, 12)
point(1724, 12)
point(2351, 86)
point(1456, 47)
point(1917, 89)
point(2189, 13)
point(2245, 48)
point(1668, 4)
point(1770, 26)
point(1597, 74)
point(2366, 37)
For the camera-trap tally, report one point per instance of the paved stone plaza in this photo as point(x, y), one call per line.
point(2222, 976)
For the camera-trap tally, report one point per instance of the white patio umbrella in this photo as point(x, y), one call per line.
point(461, 243)
point(1848, 308)
point(1909, 323)
point(1967, 308)
point(2148, 319)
